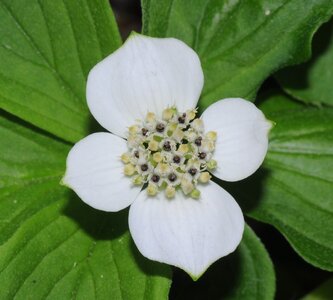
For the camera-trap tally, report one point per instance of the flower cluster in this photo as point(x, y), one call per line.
point(168, 153)
point(172, 153)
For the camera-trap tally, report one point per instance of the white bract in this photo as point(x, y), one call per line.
point(158, 156)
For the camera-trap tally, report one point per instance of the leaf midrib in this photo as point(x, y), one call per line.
point(33, 180)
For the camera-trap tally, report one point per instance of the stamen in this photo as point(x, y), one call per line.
point(152, 189)
point(129, 170)
point(183, 148)
point(195, 194)
point(167, 114)
point(157, 157)
point(212, 164)
point(204, 177)
point(125, 158)
point(170, 192)
point(138, 180)
point(153, 145)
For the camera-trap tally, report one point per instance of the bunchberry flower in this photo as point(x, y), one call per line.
point(159, 157)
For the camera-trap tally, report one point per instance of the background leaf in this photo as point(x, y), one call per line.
point(47, 49)
point(52, 246)
point(240, 43)
point(323, 292)
point(312, 82)
point(293, 191)
point(245, 274)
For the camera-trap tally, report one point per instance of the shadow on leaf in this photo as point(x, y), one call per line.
point(110, 226)
point(321, 43)
point(247, 192)
point(219, 282)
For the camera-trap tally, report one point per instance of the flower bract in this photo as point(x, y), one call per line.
point(159, 157)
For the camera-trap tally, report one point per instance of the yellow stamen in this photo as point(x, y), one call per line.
point(195, 194)
point(133, 129)
point(153, 145)
point(125, 158)
point(212, 164)
point(197, 124)
point(163, 168)
point(150, 117)
point(187, 186)
point(129, 170)
point(178, 134)
point(170, 191)
point(138, 180)
point(211, 135)
point(157, 157)
point(191, 114)
point(183, 148)
point(152, 189)
point(204, 177)
point(167, 114)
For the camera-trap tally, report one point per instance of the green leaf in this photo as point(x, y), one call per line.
point(240, 43)
point(51, 244)
point(47, 49)
point(312, 82)
point(245, 274)
point(277, 101)
point(293, 191)
point(30, 170)
point(323, 292)
point(254, 261)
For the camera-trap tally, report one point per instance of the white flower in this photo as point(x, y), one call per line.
point(156, 81)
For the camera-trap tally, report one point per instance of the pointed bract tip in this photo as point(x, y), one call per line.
point(271, 123)
point(134, 34)
point(195, 277)
point(63, 181)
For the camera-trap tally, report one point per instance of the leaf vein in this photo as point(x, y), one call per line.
point(70, 270)
point(200, 22)
point(291, 191)
point(38, 113)
point(283, 167)
point(298, 151)
point(33, 89)
point(44, 257)
point(74, 38)
point(168, 17)
point(35, 47)
point(26, 244)
point(117, 269)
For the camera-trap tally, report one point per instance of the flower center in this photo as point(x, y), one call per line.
point(170, 154)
